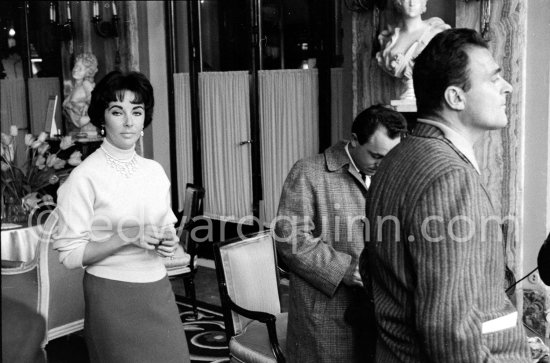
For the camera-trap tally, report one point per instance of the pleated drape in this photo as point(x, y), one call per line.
point(336, 105)
point(13, 109)
point(184, 147)
point(225, 123)
point(289, 126)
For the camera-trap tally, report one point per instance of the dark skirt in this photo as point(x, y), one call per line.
point(132, 322)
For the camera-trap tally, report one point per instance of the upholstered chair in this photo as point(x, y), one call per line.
point(248, 280)
point(47, 287)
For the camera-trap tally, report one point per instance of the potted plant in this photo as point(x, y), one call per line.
point(27, 186)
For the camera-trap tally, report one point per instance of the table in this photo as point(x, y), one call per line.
point(19, 244)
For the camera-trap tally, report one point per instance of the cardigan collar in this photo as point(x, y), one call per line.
point(459, 141)
point(430, 131)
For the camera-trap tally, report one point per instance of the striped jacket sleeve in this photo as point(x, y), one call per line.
point(450, 259)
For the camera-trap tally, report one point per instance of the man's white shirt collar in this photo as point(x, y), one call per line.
point(459, 141)
point(367, 181)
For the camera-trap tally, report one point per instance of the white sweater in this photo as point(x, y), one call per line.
point(97, 202)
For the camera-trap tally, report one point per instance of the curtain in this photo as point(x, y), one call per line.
point(225, 123)
point(40, 89)
point(13, 111)
point(289, 127)
point(336, 107)
point(184, 146)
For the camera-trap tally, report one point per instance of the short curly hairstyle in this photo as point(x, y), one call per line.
point(111, 88)
point(90, 61)
point(398, 6)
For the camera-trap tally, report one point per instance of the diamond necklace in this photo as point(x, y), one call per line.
point(123, 167)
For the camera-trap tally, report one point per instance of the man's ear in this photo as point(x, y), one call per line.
point(354, 142)
point(455, 98)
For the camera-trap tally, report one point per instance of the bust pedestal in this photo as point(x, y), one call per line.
point(404, 105)
point(86, 132)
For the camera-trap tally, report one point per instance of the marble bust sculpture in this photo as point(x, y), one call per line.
point(77, 102)
point(401, 44)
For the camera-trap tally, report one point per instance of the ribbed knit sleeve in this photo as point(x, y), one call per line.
point(445, 248)
point(75, 210)
point(306, 254)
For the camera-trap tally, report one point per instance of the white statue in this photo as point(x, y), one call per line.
point(402, 44)
point(77, 102)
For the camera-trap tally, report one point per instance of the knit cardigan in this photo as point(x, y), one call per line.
point(436, 258)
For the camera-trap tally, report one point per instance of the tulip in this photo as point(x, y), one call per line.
point(43, 136)
point(75, 158)
point(47, 198)
point(13, 130)
point(54, 162)
point(9, 153)
point(59, 164)
point(31, 200)
point(43, 148)
point(29, 139)
point(51, 160)
point(6, 139)
point(35, 144)
point(53, 179)
point(40, 162)
point(66, 142)
point(5, 166)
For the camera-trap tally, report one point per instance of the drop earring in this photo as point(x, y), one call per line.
point(142, 133)
point(102, 130)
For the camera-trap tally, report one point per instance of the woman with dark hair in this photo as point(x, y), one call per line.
point(116, 222)
point(543, 261)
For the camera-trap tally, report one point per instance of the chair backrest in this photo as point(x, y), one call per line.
point(247, 274)
point(61, 297)
point(192, 207)
point(20, 283)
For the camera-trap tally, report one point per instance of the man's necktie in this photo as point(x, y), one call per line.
point(366, 179)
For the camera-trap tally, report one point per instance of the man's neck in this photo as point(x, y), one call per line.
point(453, 122)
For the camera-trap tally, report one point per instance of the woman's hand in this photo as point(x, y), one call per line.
point(156, 237)
point(168, 243)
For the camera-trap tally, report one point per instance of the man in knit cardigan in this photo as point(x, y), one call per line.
point(320, 235)
point(434, 249)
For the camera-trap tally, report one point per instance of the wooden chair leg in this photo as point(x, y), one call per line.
point(190, 292)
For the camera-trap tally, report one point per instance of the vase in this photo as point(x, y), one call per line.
point(14, 211)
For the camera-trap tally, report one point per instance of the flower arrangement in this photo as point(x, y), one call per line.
point(28, 184)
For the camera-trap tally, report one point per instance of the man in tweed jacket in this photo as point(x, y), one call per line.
point(435, 252)
point(320, 236)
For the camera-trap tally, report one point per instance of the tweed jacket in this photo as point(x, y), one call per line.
point(320, 232)
point(437, 260)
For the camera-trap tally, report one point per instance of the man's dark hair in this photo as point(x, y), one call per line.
point(366, 123)
point(111, 88)
point(443, 63)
